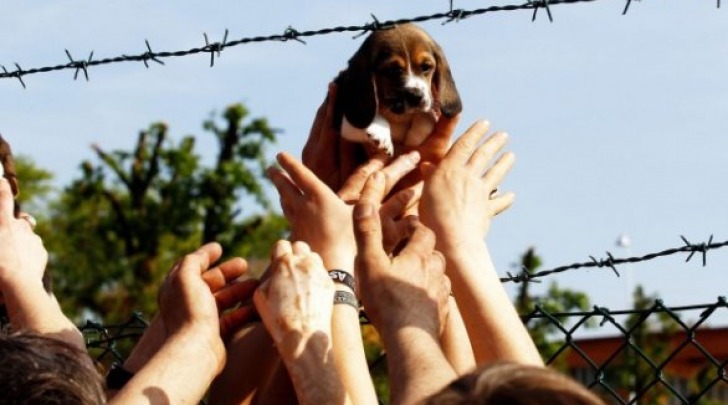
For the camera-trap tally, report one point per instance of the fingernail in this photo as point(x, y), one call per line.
point(362, 211)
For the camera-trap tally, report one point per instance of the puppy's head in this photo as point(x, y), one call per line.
point(397, 72)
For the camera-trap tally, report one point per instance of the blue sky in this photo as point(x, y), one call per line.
point(618, 122)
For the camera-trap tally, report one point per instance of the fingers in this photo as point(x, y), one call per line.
point(199, 260)
point(394, 232)
point(318, 138)
point(367, 225)
point(300, 248)
point(495, 175)
point(287, 189)
point(437, 144)
point(302, 177)
point(234, 293)
point(397, 204)
point(462, 149)
point(501, 203)
point(484, 153)
point(217, 277)
point(421, 241)
point(352, 188)
point(281, 249)
point(398, 169)
point(234, 320)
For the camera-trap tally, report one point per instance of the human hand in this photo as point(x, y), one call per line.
point(414, 278)
point(322, 218)
point(23, 258)
point(296, 301)
point(194, 298)
point(460, 196)
point(326, 153)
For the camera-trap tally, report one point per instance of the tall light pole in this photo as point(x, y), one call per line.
point(625, 242)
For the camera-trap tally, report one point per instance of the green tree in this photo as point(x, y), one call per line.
point(119, 227)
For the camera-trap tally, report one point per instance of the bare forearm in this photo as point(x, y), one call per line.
point(417, 366)
point(348, 347)
point(31, 307)
point(179, 373)
point(349, 355)
point(456, 343)
point(495, 329)
point(313, 371)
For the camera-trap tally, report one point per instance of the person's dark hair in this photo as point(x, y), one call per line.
point(36, 369)
point(514, 384)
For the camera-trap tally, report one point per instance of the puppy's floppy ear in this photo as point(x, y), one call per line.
point(444, 89)
point(356, 96)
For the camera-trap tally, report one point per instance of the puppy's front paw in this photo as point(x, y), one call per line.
point(383, 143)
point(380, 135)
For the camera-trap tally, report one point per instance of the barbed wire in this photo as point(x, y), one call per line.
point(289, 34)
point(610, 262)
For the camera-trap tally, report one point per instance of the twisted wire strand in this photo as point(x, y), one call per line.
point(289, 34)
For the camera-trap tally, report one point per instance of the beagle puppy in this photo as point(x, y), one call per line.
point(395, 88)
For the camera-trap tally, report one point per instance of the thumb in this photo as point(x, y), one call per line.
point(368, 230)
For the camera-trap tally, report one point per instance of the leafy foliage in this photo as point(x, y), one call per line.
point(118, 227)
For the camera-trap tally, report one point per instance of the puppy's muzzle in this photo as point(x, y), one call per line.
point(408, 99)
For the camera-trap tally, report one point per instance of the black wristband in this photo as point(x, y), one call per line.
point(345, 297)
point(340, 276)
point(117, 377)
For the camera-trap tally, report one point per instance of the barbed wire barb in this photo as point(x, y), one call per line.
point(626, 7)
point(524, 276)
point(16, 74)
point(149, 55)
point(540, 3)
point(215, 47)
point(608, 262)
point(454, 14)
point(702, 248)
point(79, 65)
point(292, 34)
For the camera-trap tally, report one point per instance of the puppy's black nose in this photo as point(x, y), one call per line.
point(414, 97)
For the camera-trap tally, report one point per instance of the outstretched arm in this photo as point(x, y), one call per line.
point(459, 199)
point(295, 303)
point(23, 260)
point(189, 346)
point(405, 298)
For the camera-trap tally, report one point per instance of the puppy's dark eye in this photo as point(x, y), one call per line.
point(426, 67)
point(395, 71)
